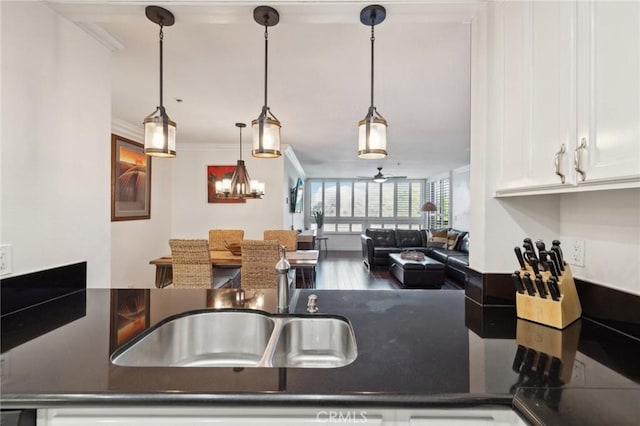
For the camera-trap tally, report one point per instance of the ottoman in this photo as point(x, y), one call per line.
point(427, 273)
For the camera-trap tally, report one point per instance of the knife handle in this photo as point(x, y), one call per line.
point(555, 255)
point(518, 252)
point(549, 265)
point(543, 256)
point(540, 245)
point(528, 246)
point(532, 260)
point(556, 244)
point(540, 286)
point(554, 290)
point(517, 282)
point(526, 280)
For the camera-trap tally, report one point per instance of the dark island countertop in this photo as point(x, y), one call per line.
point(416, 348)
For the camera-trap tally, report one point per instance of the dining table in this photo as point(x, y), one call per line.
point(303, 261)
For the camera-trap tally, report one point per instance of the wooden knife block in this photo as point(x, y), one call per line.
point(557, 314)
point(561, 344)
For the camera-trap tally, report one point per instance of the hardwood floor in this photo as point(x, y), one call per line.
point(343, 270)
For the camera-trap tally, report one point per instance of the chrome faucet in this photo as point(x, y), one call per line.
point(282, 268)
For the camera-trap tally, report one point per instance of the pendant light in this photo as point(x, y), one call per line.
point(266, 128)
point(240, 185)
point(372, 130)
point(159, 130)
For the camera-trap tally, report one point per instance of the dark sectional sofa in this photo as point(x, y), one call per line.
point(378, 243)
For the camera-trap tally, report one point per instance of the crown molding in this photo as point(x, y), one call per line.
point(126, 129)
point(291, 155)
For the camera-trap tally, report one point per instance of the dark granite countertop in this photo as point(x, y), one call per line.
point(415, 348)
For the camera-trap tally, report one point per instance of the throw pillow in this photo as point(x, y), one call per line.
point(452, 239)
point(438, 238)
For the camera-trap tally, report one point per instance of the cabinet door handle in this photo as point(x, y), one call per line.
point(563, 149)
point(577, 162)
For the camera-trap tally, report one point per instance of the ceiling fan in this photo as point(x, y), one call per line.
point(379, 177)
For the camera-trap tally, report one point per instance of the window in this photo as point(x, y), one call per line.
point(439, 195)
point(352, 206)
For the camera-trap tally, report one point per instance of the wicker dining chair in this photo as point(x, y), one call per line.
point(191, 263)
point(259, 260)
point(289, 239)
point(217, 237)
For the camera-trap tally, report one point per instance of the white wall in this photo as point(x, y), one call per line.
point(192, 216)
point(460, 201)
point(609, 223)
point(56, 114)
point(135, 242)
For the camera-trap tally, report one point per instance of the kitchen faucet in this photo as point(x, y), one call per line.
point(282, 268)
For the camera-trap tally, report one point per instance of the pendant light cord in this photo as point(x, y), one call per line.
point(161, 37)
point(240, 143)
point(373, 38)
point(266, 58)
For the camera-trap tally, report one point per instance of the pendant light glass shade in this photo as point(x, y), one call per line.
point(266, 136)
point(159, 134)
point(266, 128)
point(372, 137)
point(159, 129)
point(372, 130)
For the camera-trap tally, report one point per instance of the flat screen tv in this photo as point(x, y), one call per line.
point(297, 197)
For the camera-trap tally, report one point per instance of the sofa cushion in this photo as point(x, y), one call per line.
point(382, 237)
point(458, 262)
point(408, 238)
point(452, 239)
point(437, 238)
point(463, 244)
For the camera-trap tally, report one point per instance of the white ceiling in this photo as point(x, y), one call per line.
point(319, 56)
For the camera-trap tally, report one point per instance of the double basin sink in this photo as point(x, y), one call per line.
point(241, 338)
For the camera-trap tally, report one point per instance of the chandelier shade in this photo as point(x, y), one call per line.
point(240, 185)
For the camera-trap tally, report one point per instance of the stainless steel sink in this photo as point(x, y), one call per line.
point(232, 338)
point(202, 339)
point(315, 343)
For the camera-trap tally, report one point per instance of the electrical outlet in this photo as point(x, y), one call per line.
point(5, 259)
point(574, 253)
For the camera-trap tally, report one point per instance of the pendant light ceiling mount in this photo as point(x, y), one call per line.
point(372, 130)
point(266, 128)
point(159, 129)
point(160, 15)
point(373, 15)
point(266, 16)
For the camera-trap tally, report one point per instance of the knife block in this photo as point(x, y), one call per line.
point(560, 344)
point(555, 313)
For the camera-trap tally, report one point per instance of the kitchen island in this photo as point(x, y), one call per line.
point(416, 349)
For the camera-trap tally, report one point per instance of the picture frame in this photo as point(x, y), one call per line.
point(130, 315)
point(215, 173)
point(130, 180)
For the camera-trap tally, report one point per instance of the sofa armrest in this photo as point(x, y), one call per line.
point(367, 249)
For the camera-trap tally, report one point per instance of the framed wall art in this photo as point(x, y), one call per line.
point(130, 180)
point(218, 173)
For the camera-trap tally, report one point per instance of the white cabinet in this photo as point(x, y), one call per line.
point(609, 89)
point(567, 72)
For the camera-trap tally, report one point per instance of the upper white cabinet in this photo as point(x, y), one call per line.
point(567, 95)
point(609, 89)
